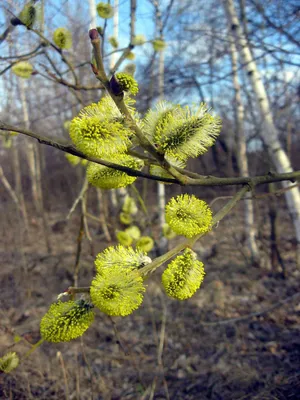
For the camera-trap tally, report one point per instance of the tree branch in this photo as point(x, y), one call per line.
point(201, 181)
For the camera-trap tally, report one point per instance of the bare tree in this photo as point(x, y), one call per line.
point(242, 152)
point(269, 131)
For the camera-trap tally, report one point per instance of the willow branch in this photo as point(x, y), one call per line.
point(24, 59)
point(202, 181)
point(67, 148)
point(119, 101)
point(73, 290)
point(57, 49)
point(22, 56)
point(60, 80)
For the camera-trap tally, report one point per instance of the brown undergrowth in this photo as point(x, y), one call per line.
point(201, 357)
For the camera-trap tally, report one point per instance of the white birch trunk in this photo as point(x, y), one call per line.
point(270, 133)
point(30, 153)
point(93, 14)
point(33, 158)
point(242, 153)
point(160, 186)
point(113, 57)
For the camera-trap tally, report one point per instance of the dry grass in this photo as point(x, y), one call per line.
point(166, 351)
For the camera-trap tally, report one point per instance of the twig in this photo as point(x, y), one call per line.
point(161, 347)
point(10, 190)
point(78, 251)
point(74, 290)
point(84, 188)
point(203, 181)
point(88, 366)
point(22, 56)
point(118, 339)
point(16, 62)
point(102, 216)
point(85, 223)
point(63, 367)
point(252, 315)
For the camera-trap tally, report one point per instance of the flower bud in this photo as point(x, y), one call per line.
point(117, 291)
point(109, 178)
point(188, 215)
point(105, 10)
point(9, 362)
point(145, 243)
point(183, 276)
point(23, 69)
point(62, 38)
point(65, 321)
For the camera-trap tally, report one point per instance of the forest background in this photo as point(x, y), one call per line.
point(238, 337)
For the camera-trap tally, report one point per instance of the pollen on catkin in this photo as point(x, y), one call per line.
point(126, 257)
point(109, 178)
point(127, 83)
point(188, 216)
point(9, 362)
point(62, 37)
point(117, 291)
point(99, 129)
point(65, 321)
point(105, 10)
point(23, 69)
point(183, 276)
point(181, 132)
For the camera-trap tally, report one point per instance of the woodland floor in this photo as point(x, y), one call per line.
point(257, 357)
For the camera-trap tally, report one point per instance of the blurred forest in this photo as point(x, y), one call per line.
point(238, 337)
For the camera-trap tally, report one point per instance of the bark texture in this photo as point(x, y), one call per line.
point(269, 130)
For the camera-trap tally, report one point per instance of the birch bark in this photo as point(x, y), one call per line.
point(269, 130)
point(242, 153)
point(161, 192)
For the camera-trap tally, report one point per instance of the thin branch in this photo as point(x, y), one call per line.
point(10, 190)
point(57, 49)
point(278, 28)
point(78, 251)
point(74, 290)
point(83, 190)
point(16, 62)
point(23, 56)
point(280, 303)
point(202, 181)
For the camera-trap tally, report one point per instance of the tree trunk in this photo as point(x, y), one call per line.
point(35, 170)
point(270, 133)
point(161, 192)
point(242, 154)
point(18, 183)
